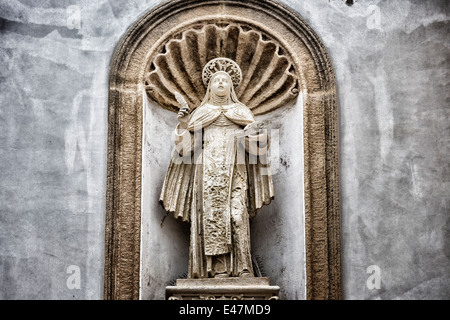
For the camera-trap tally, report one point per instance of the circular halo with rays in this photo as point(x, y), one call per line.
point(222, 64)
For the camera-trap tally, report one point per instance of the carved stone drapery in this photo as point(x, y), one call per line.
point(301, 57)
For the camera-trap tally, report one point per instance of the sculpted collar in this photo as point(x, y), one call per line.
point(221, 108)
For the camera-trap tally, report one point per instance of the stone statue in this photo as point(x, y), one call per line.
point(219, 175)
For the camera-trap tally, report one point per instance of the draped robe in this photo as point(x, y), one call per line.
point(217, 182)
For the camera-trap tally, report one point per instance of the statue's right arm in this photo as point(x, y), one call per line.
point(184, 142)
point(183, 139)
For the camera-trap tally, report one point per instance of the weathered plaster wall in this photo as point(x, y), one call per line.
point(393, 88)
point(277, 232)
point(391, 60)
point(164, 240)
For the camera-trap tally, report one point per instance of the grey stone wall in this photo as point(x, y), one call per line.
point(391, 60)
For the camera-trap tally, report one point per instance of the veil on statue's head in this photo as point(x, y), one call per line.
point(208, 94)
point(222, 66)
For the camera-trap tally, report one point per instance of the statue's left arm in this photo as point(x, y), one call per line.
point(256, 142)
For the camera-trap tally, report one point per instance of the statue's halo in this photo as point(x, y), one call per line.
point(222, 64)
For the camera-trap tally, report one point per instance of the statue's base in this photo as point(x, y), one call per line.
point(243, 288)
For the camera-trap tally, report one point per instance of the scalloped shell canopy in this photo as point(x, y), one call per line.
point(268, 76)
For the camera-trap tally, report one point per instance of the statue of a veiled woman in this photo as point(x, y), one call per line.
point(218, 176)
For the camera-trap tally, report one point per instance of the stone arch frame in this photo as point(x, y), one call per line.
point(320, 123)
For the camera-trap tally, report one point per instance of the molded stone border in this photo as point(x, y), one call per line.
point(321, 177)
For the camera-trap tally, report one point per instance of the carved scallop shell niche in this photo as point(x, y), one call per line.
point(269, 79)
point(280, 55)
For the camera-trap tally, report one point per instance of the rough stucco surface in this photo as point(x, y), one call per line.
point(394, 126)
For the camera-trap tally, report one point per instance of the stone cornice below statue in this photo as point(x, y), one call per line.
point(252, 288)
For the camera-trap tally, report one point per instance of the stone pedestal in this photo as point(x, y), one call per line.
point(251, 288)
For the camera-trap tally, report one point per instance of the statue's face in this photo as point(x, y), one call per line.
point(221, 85)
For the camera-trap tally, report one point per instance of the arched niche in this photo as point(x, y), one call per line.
point(308, 82)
